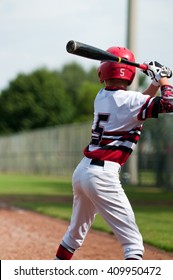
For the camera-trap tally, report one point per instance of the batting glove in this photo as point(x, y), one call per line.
point(156, 71)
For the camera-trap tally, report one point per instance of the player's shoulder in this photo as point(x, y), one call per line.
point(130, 98)
point(133, 93)
point(136, 95)
point(130, 94)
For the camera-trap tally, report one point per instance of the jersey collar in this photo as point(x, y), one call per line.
point(112, 88)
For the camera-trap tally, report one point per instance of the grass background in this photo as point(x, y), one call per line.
point(52, 196)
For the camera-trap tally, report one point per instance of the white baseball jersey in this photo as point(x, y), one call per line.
point(118, 119)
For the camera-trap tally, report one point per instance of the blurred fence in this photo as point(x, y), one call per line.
point(54, 150)
point(57, 150)
point(155, 157)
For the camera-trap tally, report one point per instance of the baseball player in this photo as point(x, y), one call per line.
point(118, 118)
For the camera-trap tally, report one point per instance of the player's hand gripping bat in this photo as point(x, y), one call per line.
point(91, 52)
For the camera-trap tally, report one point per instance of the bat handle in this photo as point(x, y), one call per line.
point(143, 66)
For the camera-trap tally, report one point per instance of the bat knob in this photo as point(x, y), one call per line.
point(71, 46)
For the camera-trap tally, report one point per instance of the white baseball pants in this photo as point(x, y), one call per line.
point(97, 189)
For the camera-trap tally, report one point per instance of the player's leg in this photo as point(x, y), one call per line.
point(83, 214)
point(113, 204)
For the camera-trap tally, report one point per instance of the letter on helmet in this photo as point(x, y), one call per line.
point(114, 70)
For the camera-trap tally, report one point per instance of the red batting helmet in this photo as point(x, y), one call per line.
point(114, 70)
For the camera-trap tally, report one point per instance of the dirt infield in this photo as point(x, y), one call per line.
point(27, 235)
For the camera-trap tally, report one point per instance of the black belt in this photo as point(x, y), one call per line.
point(97, 162)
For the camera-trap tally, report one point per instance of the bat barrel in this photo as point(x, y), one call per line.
point(91, 52)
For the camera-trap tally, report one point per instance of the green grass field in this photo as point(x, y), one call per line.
point(53, 196)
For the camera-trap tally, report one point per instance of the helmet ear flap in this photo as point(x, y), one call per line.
point(99, 75)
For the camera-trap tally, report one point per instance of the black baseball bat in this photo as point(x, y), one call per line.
point(91, 52)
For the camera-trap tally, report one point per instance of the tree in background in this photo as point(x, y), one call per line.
point(34, 101)
point(84, 100)
point(46, 98)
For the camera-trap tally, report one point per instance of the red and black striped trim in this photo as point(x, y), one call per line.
point(150, 109)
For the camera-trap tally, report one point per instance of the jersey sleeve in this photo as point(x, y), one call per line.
point(157, 105)
point(144, 106)
point(150, 109)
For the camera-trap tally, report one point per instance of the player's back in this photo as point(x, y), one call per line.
point(116, 128)
point(121, 108)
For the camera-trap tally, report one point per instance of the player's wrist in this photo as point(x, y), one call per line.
point(164, 82)
point(155, 83)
